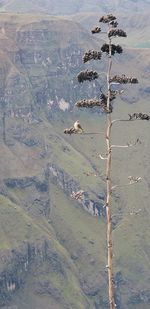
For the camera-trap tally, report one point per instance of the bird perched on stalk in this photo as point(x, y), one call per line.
point(77, 127)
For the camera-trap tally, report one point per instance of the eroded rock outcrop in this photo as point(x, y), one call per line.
point(36, 198)
point(69, 185)
point(15, 264)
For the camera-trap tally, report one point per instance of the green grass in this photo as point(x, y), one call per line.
point(16, 225)
point(74, 233)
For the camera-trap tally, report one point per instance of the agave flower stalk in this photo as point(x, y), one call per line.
point(109, 189)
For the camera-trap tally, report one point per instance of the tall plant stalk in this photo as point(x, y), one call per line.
point(109, 190)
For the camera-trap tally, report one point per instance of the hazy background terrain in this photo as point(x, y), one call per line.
point(53, 248)
point(71, 6)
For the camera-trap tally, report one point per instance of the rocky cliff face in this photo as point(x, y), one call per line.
point(37, 194)
point(71, 188)
point(30, 260)
point(40, 67)
point(39, 63)
point(16, 264)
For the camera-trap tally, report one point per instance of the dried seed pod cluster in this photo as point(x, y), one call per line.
point(89, 103)
point(78, 195)
point(114, 49)
point(117, 32)
point(69, 131)
point(96, 30)
point(87, 75)
point(113, 95)
point(140, 116)
point(103, 97)
point(124, 79)
point(107, 18)
point(113, 23)
point(134, 179)
point(92, 54)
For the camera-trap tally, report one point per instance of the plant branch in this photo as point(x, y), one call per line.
point(92, 133)
point(121, 146)
point(125, 146)
point(132, 179)
point(124, 185)
point(102, 158)
point(119, 120)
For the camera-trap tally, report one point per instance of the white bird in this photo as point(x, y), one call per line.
point(77, 127)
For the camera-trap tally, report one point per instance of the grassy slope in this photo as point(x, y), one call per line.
point(74, 228)
point(16, 227)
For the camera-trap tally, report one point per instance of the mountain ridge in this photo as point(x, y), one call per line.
point(70, 7)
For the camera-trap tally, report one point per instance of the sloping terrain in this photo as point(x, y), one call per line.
point(133, 15)
point(53, 252)
point(136, 25)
